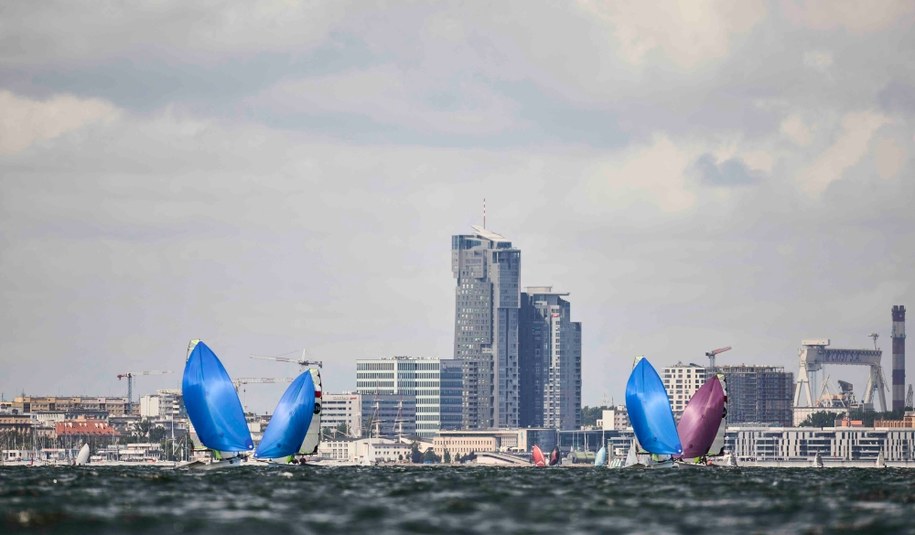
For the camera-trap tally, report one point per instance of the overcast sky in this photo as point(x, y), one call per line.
point(279, 176)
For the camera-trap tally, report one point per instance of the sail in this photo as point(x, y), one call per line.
point(649, 411)
point(632, 457)
point(717, 447)
point(290, 420)
point(601, 458)
point(313, 436)
point(83, 456)
point(701, 419)
point(537, 456)
point(554, 456)
point(212, 403)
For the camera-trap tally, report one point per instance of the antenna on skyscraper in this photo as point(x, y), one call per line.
point(484, 212)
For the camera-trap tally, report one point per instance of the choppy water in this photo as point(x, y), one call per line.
point(431, 499)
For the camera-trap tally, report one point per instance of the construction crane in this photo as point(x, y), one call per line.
point(303, 362)
point(246, 380)
point(129, 376)
point(711, 355)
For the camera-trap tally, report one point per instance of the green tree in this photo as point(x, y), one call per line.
point(415, 455)
point(447, 457)
point(820, 419)
point(431, 457)
point(590, 415)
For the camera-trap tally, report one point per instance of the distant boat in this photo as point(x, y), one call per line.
point(651, 416)
point(818, 460)
point(554, 456)
point(83, 456)
point(537, 457)
point(213, 406)
point(701, 421)
point(881, 463)
point(601, 458)
point(290, 421)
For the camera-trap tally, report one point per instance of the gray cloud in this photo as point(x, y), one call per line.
point(730, 172)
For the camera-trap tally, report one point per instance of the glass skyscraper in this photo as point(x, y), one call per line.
point(487, 300)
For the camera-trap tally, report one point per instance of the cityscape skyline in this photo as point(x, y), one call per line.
point(694, 178)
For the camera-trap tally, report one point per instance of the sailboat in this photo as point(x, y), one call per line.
point(651, 416)
point(701, 421)
point(554, 456)
point(313, 436)
point(601, 458)
point(213, 406)
point(290, 421)
point(83, 456)
point(537, 457)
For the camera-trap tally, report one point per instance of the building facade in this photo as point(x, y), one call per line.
point(682, 381)
point(341, 414)
point(549, 361)
point(487, 301)
point(430, 381)
point(164, 404)
point(759, 395)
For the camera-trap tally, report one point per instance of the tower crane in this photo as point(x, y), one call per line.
point(246, 380)
point(302, 361)
point(129, 376)
point(711, 355)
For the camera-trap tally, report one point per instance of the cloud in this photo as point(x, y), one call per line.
point(796, 130)
point(856, 17)
point(849, 146)
point(688, 33)
point(730, 172)
point(24, 122)
point(819, 60)
point(890, 157)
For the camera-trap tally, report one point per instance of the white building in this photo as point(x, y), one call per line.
point(682, 381)
point(365, 451)
point(407, 376)
point(342, 410)
point(164, 405)
point(832, 443)
point(616, 419)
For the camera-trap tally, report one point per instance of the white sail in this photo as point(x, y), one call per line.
point(313, 436)
point(717, 447)
point(632, 457)
point(83, 456)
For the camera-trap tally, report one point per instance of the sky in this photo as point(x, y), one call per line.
point(277, 177)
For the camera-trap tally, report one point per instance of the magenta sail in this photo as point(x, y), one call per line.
point(701, 419)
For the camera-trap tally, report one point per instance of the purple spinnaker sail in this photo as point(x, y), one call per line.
point(701, 419)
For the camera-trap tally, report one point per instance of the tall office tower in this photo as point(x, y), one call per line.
point(549, 361)
point(682, 381)
point(420, 378)
point(488, 271)
point(759, 395)
point(898, 358)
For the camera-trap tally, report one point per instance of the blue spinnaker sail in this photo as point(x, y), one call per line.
point(649, 411)
point(290, 420)
point(212, 403)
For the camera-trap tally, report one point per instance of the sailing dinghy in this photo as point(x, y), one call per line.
point(290, 421)
point(651, 416)
point(313, 435)
point(83, 456)
point(537, 456)
point(701, 421)
point(213, 407)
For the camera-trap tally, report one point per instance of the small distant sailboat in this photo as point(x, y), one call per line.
point(537, 457)
point(290, 421)
point(702, 421)
point(213, 406)
point(651, 416)
point(83, 456)
point(554, 456)
point(881, 463)
point(818, 460)
point(601, 458)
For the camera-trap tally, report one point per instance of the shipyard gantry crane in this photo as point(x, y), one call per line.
point(129, 376)
point(711, 355)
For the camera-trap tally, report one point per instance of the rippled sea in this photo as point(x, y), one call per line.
point(433, 499)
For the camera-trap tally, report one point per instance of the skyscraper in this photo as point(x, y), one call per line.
point(550, 361)
point(487, 300)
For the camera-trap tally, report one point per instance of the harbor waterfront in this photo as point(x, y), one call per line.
point(448, 499)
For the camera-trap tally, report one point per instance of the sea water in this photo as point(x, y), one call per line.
point(464, 499)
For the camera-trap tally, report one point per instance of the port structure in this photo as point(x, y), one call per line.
point(814, 354)
point(129, 376)
point(247, 380)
